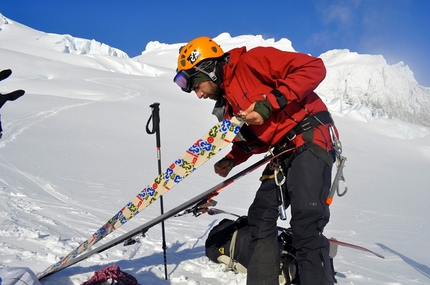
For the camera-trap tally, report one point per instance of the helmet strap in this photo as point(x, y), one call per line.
point(211, 74)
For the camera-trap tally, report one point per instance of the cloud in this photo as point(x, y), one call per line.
point(340, 13)
point(337, 14)
point(322, 39)
point(339, 23)
point(387, 27)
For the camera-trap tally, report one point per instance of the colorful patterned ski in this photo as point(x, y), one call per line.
point(201, 151)
point(184, 208)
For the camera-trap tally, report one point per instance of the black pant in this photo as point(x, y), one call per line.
point(305, 190)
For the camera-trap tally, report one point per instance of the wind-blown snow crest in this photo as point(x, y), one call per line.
point(18, 38)
point(227, 42)
point(69, 44)
point(3, 20)
point(250, 41)
point(61, 43)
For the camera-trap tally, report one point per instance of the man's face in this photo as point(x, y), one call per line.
point(207, 90)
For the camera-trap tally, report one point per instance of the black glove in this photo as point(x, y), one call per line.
point(11, 96)
point(5, 74)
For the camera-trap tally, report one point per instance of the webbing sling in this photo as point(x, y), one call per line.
point(306, 128)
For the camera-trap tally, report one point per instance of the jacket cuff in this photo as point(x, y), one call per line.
point(263, 108)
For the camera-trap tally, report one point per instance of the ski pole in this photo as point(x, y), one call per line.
point(155, 116)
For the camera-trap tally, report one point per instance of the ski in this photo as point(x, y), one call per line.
point(335, 241)
point(341, 243)
point(216, 211)
point(141, 230)
point(5, 74)
point(219, 136)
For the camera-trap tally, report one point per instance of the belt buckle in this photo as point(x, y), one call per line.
point(290, 138)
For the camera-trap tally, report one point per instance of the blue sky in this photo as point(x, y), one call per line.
point(396, 29)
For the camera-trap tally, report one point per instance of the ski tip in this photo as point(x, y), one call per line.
point(335, 241)
point(329, 200)
point(377, 254)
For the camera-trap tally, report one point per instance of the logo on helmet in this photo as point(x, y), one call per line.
point(194, 55)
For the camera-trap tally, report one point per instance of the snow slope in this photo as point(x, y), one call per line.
point(74, 150)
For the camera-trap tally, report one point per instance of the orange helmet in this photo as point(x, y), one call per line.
point(195, 51)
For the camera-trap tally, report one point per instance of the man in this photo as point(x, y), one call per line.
point(272, 91)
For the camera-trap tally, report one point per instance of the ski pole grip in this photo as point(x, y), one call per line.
point(155, 118)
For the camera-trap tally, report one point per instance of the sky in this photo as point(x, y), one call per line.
point(74, 151)
point(397, 29)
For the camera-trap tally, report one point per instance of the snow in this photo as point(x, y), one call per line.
point(74, 150)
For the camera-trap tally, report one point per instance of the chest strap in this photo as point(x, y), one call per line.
point(310, 122)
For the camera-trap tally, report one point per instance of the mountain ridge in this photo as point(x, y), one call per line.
point(354, 79)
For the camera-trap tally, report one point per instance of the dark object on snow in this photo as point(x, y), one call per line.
point(112, 273)
point(5, 74)
point(228, 243)
point(11, 96)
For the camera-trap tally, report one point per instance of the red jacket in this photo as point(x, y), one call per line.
point(249, 76)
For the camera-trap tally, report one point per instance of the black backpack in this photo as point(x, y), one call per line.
point(230, 239)
point(228, 243)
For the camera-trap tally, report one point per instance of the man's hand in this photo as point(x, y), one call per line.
point(223, 167)
point(251, 117)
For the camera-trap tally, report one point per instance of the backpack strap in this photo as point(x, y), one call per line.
point(232, 264)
